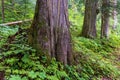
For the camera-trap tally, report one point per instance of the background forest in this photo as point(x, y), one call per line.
point(95, 37)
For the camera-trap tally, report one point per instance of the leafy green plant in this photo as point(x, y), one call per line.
point(98, 53)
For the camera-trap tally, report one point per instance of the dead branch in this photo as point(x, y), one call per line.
point(15, 23)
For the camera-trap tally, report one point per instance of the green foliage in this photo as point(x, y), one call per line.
point(76, 21)
point(95, 58)
point(6, 31)
point(22, 62)
point(18, 10)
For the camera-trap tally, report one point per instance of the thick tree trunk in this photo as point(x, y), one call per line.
point(105, 19)
point(49, 32)
point(3, 15)
point(89, 26)
point(115, 14)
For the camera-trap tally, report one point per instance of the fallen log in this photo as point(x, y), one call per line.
point(15, 23)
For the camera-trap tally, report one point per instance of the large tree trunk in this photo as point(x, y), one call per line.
point(89, 26)
point(115, 21)
point(105, 19)
point(49, 32)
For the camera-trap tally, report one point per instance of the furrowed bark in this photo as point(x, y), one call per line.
point(105, 19)
point(89, 25)
point(49, 32)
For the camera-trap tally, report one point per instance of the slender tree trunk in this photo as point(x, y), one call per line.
point(105, 19)
point(89, 26)
point(2, 75)
point(49, 32)
point(115, 14)
point(3, 15)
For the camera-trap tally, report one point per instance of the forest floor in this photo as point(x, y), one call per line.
point(117, 54)
point(8, 31)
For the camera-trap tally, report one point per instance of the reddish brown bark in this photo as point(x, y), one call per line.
point(89, 26)
point(49, 32)
point(105, 19)
point(2, 75)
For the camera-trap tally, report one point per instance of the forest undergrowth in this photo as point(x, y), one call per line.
point(94, 59)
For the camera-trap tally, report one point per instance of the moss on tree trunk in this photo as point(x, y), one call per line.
point(49, 32)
